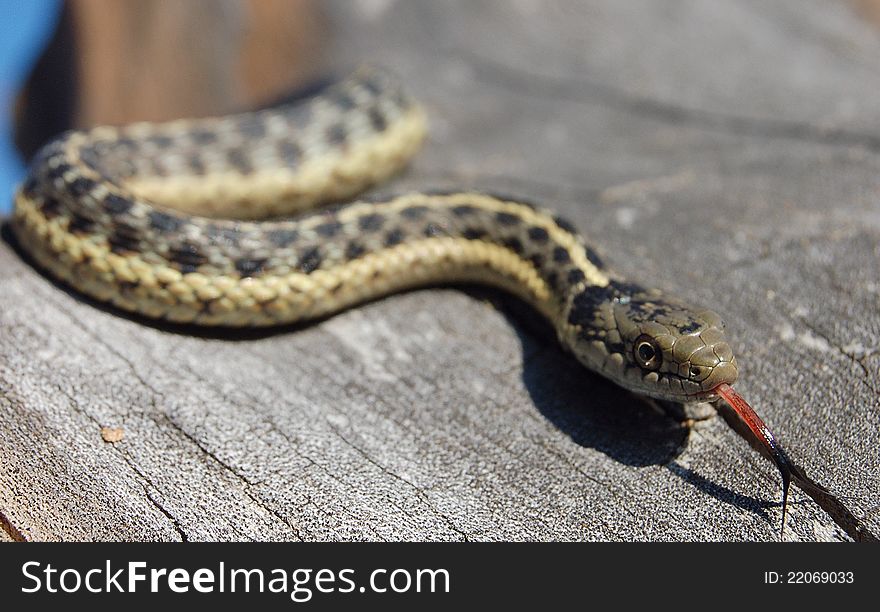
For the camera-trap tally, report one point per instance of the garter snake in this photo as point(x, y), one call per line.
point(231, 221)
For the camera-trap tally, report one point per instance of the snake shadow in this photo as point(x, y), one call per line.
point(595, 413)
point(590, 410)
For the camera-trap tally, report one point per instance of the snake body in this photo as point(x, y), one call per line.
point(190, 222)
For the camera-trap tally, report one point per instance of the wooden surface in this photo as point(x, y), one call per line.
point(724, 151)
point(162, 59)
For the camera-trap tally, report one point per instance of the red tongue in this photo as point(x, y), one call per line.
point(763, 434)
point(746, 413)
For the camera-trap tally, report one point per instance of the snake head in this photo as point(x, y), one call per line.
point(652, 344)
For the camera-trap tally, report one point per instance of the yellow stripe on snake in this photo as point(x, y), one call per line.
point(183, 221)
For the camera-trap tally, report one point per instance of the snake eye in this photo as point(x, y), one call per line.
point(646, 353)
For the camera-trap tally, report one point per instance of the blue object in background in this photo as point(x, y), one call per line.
point(25, 28)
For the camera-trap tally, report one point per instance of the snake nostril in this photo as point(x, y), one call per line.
point(697, 371)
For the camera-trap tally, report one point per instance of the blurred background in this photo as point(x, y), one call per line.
point(25, 28)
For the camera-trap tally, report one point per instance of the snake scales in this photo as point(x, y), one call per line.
point(189, 221)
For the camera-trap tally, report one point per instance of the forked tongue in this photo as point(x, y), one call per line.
point(763, 435)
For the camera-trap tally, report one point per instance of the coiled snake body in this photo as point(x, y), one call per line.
point(182, 221)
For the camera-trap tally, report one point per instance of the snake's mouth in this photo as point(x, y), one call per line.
point(701, 387)
point(723, 373)
point(700, 396)
point(705, 396)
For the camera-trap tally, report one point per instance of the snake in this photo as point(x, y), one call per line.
point(257, 219)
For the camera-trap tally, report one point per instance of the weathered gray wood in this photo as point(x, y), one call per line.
point(726, 151)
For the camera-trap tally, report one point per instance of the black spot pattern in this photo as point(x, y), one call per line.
point(463, 210)
point(282, 237)
point(594, 258)
point(226, 236)
point(689, 328)
point(515, 245)
point(560, 255)
point(641, 304)
point(371, 222)
point(354, 250)
point(160, 140)
point(157, 164)
point(575, 276)
point(538, 234)
point(127, 144)
point(53, 174)
point(337, 134)
point(394, 237)
point(586, 302)
point(196, 164)
point(125, 287)
point(474, 233)
point(50, 207)
point(124, 239)
point(91, 156)
point(377, 119)
point(507, 219)
point(116, 204)
point(342, 100)
point(289, 152)
point(329, 229)
point(565, 224)
point(433, 230)
point(249, 267)
point(239, 160)
point(414, 212)
point(164, 222)
point(187, 255)
point(310, 260)
point(80, 224)
point(203, 137)
point(81, 186)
